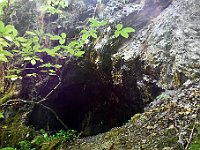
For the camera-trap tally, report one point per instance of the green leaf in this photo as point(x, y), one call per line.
point(1, 115)
point(3, 58)
point(103, 23)
point(117, 33)
point(21, 39)
point(124, 34)
point(62, 41)
point(55, 37)
point(94, 35)
point(1, 26)
point(119, 26)
point(56, 48)
point(128, 30)
point(85, 36)
point(17, 43)
point(48, 65)
point(6, 53)
point(33, 62)
point(30, 33)
point(13, 77)
point(63, 35)
point(31, 75)
point(71, 51)
point(79, 53)
point(93, 21)
point(84, 31)
point(9, 29)
point(57, 66)
point(73, 43)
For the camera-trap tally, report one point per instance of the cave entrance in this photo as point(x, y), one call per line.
point(88, 102)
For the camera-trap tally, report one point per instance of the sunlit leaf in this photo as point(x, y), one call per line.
point(55, 37)
point(79, 53)
point(128, 30)
point(62, 41)
point(63, 35)
point(3, 58)
point(117, 33)
point(30, 33)
point(85, 36)
point(103, 23)
point(13, 77)
point(124, 34)
point(94, 35)
point(119, 26)
point(6, 53)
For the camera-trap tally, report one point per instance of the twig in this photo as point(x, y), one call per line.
point(46, 97)
point(190, 139)
point(192, 132)
point(55, 114)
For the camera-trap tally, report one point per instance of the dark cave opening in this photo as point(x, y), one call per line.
point(89, 102)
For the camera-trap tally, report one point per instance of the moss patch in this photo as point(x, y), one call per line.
point(12, 131)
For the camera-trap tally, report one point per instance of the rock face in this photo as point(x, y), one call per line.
point(169, 45)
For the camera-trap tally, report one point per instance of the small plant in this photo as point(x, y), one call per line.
point(123, 31)
point(25, 145)
point(60, 135)
point(42, 137)
point(69, 135)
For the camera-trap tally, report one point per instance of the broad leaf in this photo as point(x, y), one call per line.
point(117, 33)
point(55, 37)
point(128, 30)
point(62, 41)
point(94, 35)
point(79, 53)
point(119, 26)
point(63, 35)
point(124, 34)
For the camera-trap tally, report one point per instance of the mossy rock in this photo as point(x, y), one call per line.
point(12, 131)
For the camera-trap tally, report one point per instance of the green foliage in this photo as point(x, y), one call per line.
point(69, 135)
point(7, 36)
point(3, 5)
point(54, 6)
point(33, 44)
point(123, 31)
point(60, 135)
point(1, 115)
point(25, 145)
point(95, 23)
point(43, 138)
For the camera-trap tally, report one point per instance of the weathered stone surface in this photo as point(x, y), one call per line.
point(169, 45)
